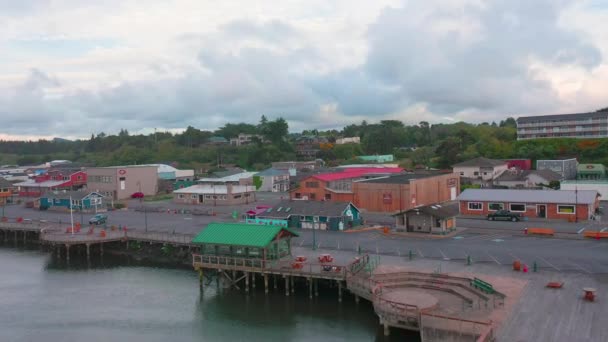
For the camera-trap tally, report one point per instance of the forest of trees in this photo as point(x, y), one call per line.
point(439, 145)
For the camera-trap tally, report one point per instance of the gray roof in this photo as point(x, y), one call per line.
point(441, 210)
point(75, 195)
point(402, 178)
point(521, 175)
point(273, 172)
point(580, 116)
point(481, 162)
point(306, 208)
point(529, 196)
point(4, 184)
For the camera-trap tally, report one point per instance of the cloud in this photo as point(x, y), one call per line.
point(319, 66)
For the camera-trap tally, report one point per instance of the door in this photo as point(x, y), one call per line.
point(541, 210)
point(452, 193)
point(200, 198)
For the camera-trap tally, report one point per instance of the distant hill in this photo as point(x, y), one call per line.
point(61, 140)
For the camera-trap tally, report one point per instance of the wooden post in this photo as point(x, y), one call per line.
point(266, 283)
point(247, 282)
point(293, 290)
point(200, 278)
point(101, 249)
point(88, 251)
point(387, 330)
point(286, 286)
point(316, 287)
point(253, 280)
point(310, 287)
point(24, 237)
point(67, 253)
point(16, 237)
point(339, 291)
point(356, 299)
point(275, 280)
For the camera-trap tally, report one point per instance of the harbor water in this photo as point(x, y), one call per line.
point(42, 299)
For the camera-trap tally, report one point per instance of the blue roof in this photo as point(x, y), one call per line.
point(272, 172)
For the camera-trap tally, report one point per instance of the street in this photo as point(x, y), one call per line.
point(497, 243)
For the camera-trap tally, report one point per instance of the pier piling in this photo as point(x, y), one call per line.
point(310, 288)
point(286, 286)
point(339, 291)
point(266, 283)
point(247, 281)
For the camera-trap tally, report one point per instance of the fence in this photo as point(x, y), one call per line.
point(436, 327)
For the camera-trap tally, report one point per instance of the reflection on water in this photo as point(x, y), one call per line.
point(41, 299)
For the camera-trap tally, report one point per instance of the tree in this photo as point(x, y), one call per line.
point(509, 122)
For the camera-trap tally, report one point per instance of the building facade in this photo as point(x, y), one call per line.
point(245, 139)
point(272, 180)
point(585, 125)
point(6, 191)
point(314, 215)
point(402, 192)
point(515, 178)
point(591, 172)
point(551, 204)
point(520, 164)
point(120, 182)
point(431, 219)
point(213, 195)
point(348, 140)
point(567, 168)
point(481, 170)
point(76, 200)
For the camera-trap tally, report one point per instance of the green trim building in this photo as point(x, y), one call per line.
point(247, 241)
point(591, 172)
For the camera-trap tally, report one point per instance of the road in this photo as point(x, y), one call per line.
point(499, 243)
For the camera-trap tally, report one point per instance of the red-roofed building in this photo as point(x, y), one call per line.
point(53, 180)
point(337, 186)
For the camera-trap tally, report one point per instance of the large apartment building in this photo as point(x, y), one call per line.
point(585, 125)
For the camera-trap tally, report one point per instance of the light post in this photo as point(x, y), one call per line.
point(146, 217)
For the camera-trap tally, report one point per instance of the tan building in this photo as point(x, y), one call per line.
point(120, 182)
point(405, 191)
point(215, 194)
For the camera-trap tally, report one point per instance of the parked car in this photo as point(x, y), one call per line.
point(504, 215)
point(98, 219)
point(137, 195)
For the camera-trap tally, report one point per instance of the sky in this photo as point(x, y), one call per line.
point(70, 68)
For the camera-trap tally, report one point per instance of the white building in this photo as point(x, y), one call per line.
point(273, 180)
point(348, 140)
point(481, 170)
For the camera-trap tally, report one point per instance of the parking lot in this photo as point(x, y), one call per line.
point(498, 243)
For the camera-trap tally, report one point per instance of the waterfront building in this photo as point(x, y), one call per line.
point(567, 168)
point(314, 214)
point(247, 241)
point(213, 194)
point(120, 182)
point(584, 125)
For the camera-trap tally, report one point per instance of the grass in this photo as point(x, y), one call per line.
point(157, 198)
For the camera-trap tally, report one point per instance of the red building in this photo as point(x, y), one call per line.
point(61, 179)
point(551, 204)
point(337, 186)
point(522, 164)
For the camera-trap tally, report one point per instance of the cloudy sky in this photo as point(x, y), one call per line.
point(70, 68)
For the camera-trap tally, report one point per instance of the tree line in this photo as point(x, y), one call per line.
point(422, 144)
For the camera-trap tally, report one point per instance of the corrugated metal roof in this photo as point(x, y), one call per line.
point(529, 196)
point(481, 162)
point(239, 234)
point(357, 172)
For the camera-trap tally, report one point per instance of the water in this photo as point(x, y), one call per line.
point(42, 300)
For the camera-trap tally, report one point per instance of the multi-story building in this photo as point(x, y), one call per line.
point(120, 182)
point(307, 147)
point(53, 179)
point(585, 125)
point(272, 180)
point(245, 139)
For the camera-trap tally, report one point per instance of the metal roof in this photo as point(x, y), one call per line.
point(273, 172)
point(402, 178)
point(522, 175)
point(556, 117)
point(442, 210)
point(239, 234)
point(481, 162)
point(4, 184)
point(46, 184)
point(203, 189)
point(529, 196)
point(232, 178)
point(286, 208)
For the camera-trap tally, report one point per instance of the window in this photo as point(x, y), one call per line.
point(312, 184)
point(462, 173)
point(496, 206)
point(237, 196)
point(476, 173)
point(180, 196)
point(193, 196)
point(485, 173)
point(313, 196)
point(566, 209)
point(517, 207)
point(475, 206)
point(327, 196)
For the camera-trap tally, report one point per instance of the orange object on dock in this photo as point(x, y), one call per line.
point(516, 265)
point(541, 231)
point(102, 233)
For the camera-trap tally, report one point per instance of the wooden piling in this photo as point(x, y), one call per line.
point(247, 282)
point(253, 280)
point(316, 287)
point(275, 281)
point(293, 290)
point(266, 283)
point(67, 253)
point(286, 286)
point(310, 287)
point(339, 291)
point(387, 330)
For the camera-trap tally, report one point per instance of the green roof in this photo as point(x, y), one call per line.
point(239, 234)
point(591, 168)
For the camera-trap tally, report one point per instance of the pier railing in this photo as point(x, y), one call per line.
point(285, 266)
point(436, 325)
point(163, 237)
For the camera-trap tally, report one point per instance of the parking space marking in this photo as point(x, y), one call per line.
point(603, 229)
point(420, 253)
point(580, 268)
point(445, 257)
point(301, 243)
point(581, 230)
point(548, 263)
point(493, 258)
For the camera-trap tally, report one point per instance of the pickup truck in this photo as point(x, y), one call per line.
point(504, 215)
